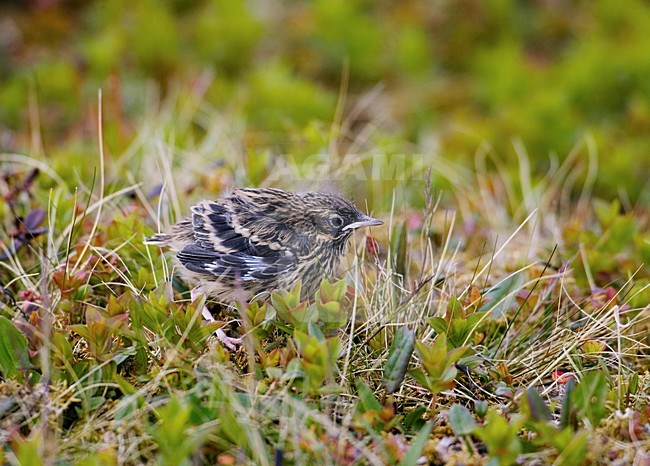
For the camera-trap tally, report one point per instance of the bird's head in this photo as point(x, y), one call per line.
point(332, 219)
point(307, 223)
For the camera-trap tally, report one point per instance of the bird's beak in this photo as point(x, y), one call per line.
point(364, 222)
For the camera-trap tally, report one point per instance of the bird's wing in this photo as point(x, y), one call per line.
point(223, 249)
point(257, 214)
point(239, 266)
point(245, 224)
point(213, 230)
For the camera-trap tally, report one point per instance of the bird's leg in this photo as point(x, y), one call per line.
point(230, 343)
point(205, 312)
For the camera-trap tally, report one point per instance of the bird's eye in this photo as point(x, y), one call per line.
point(336, 221)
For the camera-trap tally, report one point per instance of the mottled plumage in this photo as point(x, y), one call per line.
point(253, 241)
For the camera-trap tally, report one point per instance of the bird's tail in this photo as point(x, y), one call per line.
point(159, 239)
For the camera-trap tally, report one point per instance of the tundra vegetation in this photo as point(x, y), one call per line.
point(501, 314)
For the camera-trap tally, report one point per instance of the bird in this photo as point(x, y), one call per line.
point(251, 242)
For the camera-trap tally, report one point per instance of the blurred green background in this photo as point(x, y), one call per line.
point(443, 76)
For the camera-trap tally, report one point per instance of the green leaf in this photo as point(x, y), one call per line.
point(314, 331)
point(414, 452)
point(500, 437)
point(30, 450)
point(622, 232)
point(61, 350)
point(481, 408)
point(576, 451)
point(398, 248)
point(125, 386)
point(367, 399)
point(559, 438)
point(633, 383)
point(331, 292)
point(454, 355)
point(459, 330)
point(500, 296)
point(13, 349)
point(173, 434)
point(438, 363)
point(414, 419)
point(331, 314)
point(461, 420)
point(605, 212)
point(126, 409)
point(455, 309)
point(420, 377)
point(398, 359)
point(538, 408)
point(475, 318)
point(438, 324)
point(590, 396)
point(567, 416)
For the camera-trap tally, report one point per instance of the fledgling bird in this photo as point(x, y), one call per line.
point(251, 242)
